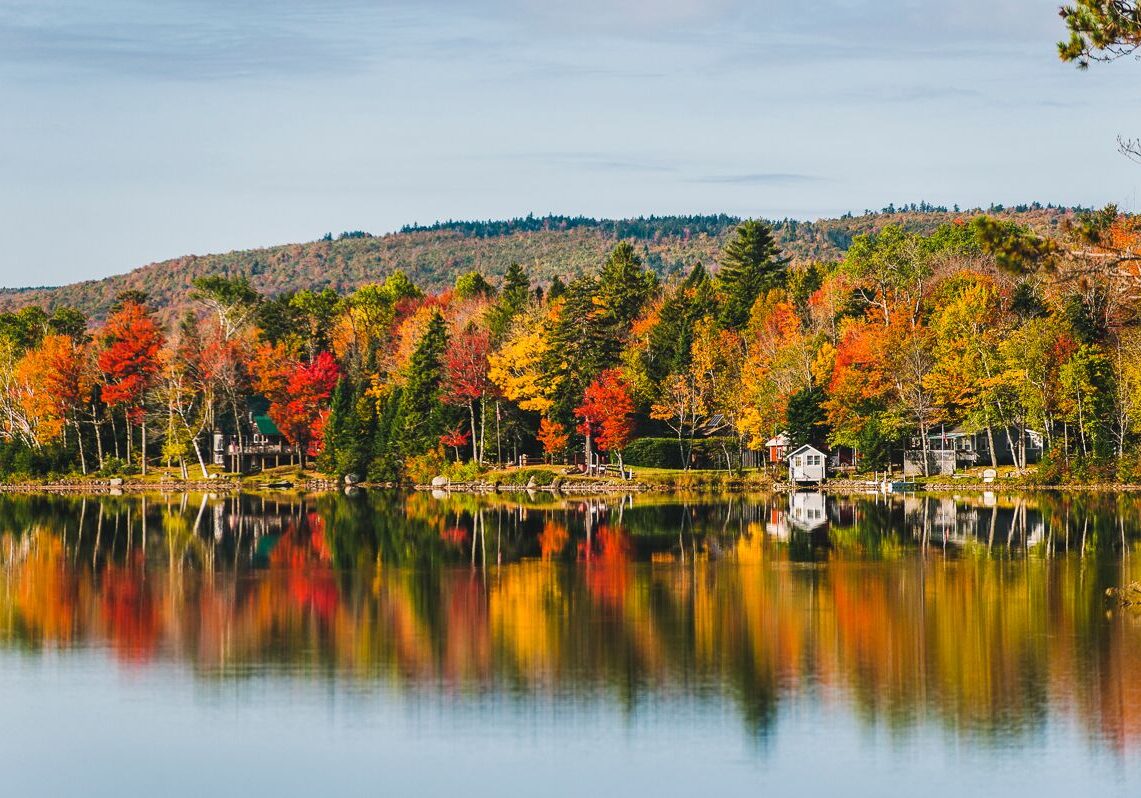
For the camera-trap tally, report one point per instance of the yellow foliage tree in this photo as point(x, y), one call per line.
point(517, 368)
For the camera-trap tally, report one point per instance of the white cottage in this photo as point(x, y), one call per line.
point(807, 464)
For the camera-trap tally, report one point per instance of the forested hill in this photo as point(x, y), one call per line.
point(433, 256)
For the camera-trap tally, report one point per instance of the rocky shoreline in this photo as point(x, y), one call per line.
point(558, 486)
point(117, 486)
point(224, 485)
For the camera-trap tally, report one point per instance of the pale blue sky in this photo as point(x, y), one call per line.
point(137, 130)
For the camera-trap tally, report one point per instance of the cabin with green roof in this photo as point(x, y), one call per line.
point(265, 431)
point(263, 447)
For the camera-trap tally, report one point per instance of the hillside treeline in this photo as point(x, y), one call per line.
point(433, 257)
point(982, 323)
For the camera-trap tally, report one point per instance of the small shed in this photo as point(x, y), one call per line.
point(807, 465)
point(778, 448)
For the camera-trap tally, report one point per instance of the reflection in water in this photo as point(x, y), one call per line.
point(983, 616)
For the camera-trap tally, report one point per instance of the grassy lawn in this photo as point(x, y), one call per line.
point(700, 478)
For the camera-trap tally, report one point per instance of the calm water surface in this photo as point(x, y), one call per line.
point(406, 644)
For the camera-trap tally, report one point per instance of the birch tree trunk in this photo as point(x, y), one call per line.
point(482, 429)
point(474, 436)
point(79, 443)
point(98, 436)
point(198, 454)
point(114, 432)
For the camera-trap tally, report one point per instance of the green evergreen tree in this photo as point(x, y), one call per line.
point(875, 446)
point(1100, 30)
point(671, 339)
point(1026, 301)
point(585, 341)
point(802, 284)
point(805, 418)
point(751, 265)
point(514, 297)
point(422, 414)
point(624, 285)
point(70, 322)
point(350, 429)
point(516, 292)
point(1087, 316)
point(278, 319)
point(386, 464)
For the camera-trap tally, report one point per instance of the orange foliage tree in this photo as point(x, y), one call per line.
point(553, 436)
point(63, 366)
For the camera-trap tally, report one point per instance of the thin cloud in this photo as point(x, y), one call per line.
point(216, 39)
point(761, 179)
point(604, 162)
point(178, 41)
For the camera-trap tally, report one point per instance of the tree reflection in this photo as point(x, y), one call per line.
point(984, 614)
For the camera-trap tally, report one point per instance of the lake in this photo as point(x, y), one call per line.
point(390, 643)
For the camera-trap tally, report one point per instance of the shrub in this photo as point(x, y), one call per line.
point(653, 453)
point(1129, 468)
point(522, 476)
point(664, 453)
point(420, 469)
point(117, 467)
point(462, 472)
point(1051, 470)
point(20, 462)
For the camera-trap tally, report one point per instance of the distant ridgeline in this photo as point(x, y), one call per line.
point(644, 228)
point(549, 246)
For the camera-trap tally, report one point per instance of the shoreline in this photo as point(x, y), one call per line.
point(721, 484)
point(192, 486)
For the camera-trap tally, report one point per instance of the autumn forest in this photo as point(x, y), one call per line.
point(981, 322)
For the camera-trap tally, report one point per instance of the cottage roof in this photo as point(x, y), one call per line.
point(805, 448)
point(265, 425)
point(712, 425)
point(951, 432)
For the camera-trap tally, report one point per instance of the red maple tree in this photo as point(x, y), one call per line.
point(299, 406)
point(455, 438)
point(604, 415)
point(467, 379)
point(129, 361)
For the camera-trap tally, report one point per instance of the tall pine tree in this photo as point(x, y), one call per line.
point(422, 416)
point(514, 298)
point(584, 342)
point(751, 265)
point(350, 428)
point(624, 285)
point(671, 339)
point(807, 420)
